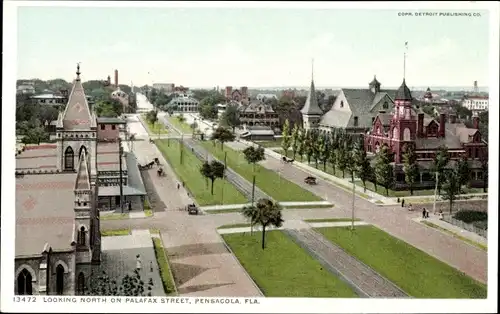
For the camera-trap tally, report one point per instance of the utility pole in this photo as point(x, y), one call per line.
point(253, 189)
point(121, 173)
point(225, 160)
point(353, 200)
point(435, 192)
point(182, 147)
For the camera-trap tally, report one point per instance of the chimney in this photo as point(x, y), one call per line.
point(229, 90)
point(453, 118)
point(442, 124)
point(116, 78)
point(475, 122)
point(420, 125)
point(244, 92)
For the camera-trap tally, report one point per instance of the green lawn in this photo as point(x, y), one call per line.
point(224, 211)
point(165, 274)
point(414, 271)
point(284, 269)
point(267, 180)
point(155, 128)
point(181, 126)
point(456, 235)
point(154, 230)
point(331, 220)
point(148, 212)
point(308, 206)
point(114, 216)
point(242, 225)
point(117, 232)
point(189, 172)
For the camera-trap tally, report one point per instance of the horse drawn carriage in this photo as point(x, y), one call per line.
point(192, 209)
point(310, 180)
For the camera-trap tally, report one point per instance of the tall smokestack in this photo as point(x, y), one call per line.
point(116, 78)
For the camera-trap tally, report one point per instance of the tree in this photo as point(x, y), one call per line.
point(384, 173)
point(231, 117)
point(463, 112)
point(363, 168)
point(222, 135)
point(152, 116)
point(193, 126)
point(208, 105)
point(265, 213)
point(212, 171)
point(484, 168)
point(35, 135)
point(254, 155)
point(342, 156)
point(131, 285)
point(323, 148)
point(286, 139)
point(181, 118)
point(483, 125)
point(316, 142)
point(463, 171)
point(441, 160)
point(410, 167)
point(302, 146)
point(451, 186)
point(295, 140)
point(308, 145)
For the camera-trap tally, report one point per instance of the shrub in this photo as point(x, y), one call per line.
point(469, 216)
point(483, 224)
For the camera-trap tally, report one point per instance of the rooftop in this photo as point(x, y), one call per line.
point(43, 157)
point(105, 120)
point(107, 157)
point(44, 203)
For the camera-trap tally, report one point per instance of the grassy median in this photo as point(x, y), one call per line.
point(189, 172)
point(165, 274)
point(267, 180)
point(181, 126)
point(414, 271)
point(284, 269)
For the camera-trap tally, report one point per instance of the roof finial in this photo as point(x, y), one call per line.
point(78, 70)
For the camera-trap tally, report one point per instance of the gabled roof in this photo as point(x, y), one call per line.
point(311, 106)
point(83, 175)
point(77, 114)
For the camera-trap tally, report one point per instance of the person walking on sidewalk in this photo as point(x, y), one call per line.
point(403, 203)
point(424, 213)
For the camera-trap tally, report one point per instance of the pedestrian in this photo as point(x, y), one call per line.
point(129, 206)
point(183, 184)
point(403, 202)
point(424, 213)
point(188, 194)
point(178, 186)
point(409, 207)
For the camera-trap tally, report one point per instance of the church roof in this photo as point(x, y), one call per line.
point(403, 92)
point(77, 114)
point(311, 106)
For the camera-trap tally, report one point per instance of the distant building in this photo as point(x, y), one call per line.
point(165, 87)
point(238, 95)
point(26, 88)
point(290, 93)
point(184, 104)
point(49, 99)
point(263, 97)
point(257, 133)
point(257, 113)
point(476, 103)
point(406, 126)
point(123, 98)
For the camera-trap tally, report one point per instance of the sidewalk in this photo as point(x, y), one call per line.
point(453, 229)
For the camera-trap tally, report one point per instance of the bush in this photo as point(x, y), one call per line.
point(469, 216)
point(483, 224)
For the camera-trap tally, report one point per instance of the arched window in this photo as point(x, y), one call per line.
point(69, 160)
point(341, 104)
point(80, 284)
point(83, 148)
point(24, 283)
point(395, 133)
point(407, 135)
point(81, 236)
point(59, 280)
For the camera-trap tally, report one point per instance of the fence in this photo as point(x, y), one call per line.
point(466, 226)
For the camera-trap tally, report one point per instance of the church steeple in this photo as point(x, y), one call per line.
point(374, 85)
point(77, 116)
point(311, 107)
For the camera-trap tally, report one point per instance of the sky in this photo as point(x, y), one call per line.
point(255, 47)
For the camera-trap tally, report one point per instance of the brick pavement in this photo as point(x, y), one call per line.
point(471, 260)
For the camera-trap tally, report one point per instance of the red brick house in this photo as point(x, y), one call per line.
point(406, 126)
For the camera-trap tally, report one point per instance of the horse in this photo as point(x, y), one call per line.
point(150, 165)
point(160, 172)
point(157, 161)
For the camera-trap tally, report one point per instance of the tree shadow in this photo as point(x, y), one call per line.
point(191, 289)
point(197, 249)
point(157, 205)
point(184, 272)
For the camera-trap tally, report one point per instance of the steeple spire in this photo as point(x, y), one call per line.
point(312, 69)
point(404, 60)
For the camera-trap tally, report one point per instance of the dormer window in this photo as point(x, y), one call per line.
point(385, 105)
point(103, 127)
point(113, 127)
point(341, 104)
point(355, 121)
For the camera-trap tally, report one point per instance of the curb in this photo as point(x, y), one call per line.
point(176, 292)
point(238, 261)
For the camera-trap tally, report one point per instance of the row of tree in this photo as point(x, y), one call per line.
point(345, 152)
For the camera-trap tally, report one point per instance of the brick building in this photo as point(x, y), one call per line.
point(406, 126)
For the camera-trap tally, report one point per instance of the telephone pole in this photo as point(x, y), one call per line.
point(120, 153)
